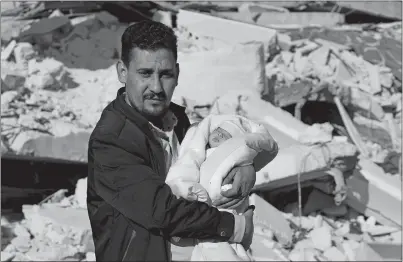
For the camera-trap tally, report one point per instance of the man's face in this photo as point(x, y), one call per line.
point(150, 79)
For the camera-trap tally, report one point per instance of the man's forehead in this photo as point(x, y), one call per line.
point(162, 58)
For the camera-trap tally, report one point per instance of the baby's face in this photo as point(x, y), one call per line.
point(218, 136)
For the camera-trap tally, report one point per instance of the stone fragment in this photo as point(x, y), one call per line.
point(90, 256)
point(334, 254)
point(6, 256)
point(81, 192)
point(7, 97)
point(23, 52)
point(321, 238)
point(335, 211)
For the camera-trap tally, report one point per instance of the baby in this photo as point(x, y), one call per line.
point(226, 130)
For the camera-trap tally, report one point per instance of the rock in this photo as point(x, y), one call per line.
point(352, 214)
point(396, 237)
point(73, 147)
point(6, 256)
point(271, 218)
point(7, 97)
point(317, 201)
point(73, 221)
point(343, 230)
point(90, 256)
point(371, 221)
point(46, 74)
point(21, 231)
point(22, 244)
point(23, 52)
point(81, 193)
point(304, 244)
point(106, 18)
point(334, 254)
point(55, 253)
point(307, 254)
point(47, 31)
point(321, 238)
point(335, 211)
point(13, 83)
point(23, 137)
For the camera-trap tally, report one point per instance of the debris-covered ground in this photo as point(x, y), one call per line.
point(58, 73)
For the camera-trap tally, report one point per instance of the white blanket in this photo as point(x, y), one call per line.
point(193, 167)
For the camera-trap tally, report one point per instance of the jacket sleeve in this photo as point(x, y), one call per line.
point(124, 181)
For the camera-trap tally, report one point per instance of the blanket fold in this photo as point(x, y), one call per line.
point(195, 174)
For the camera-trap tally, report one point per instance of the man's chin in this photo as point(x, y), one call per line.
point(156, 111)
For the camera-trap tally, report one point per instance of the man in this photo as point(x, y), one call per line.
point(133, 213)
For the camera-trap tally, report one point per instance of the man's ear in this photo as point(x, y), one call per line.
point(177, 73)
point(122, 71)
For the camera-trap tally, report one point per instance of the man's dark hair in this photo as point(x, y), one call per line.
point(147, 35)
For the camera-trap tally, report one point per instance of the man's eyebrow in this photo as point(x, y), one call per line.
point(144, 69)
point(168, 70)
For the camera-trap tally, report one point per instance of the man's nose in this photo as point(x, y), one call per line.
point(156, 86)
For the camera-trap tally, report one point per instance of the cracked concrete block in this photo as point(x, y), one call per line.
point(22, 244)
point(21, 231)
point(6, 256)
point(335, 211)
point(317, 201)
point(321, 238)
point(81, 193)
point(334, 254)
point(90, 256)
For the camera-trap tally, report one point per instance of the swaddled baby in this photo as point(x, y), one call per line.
point(207, 155)
point(225, 131)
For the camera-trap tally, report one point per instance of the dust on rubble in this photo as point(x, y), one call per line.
point(56, 229)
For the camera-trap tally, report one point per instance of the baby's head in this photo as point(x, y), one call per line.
point(223, 132)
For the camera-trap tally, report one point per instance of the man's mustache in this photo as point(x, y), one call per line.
point(160, 96)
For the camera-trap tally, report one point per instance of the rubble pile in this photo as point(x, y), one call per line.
point(323, 232)
point(58, 74)
point(56, 229)
point(49, 89)
point(314, 62)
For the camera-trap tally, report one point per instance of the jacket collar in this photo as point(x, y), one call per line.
point(135, 116)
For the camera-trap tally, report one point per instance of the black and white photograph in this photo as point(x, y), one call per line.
point(201, 130)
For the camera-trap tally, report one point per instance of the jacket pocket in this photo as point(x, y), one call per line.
point(129, 245)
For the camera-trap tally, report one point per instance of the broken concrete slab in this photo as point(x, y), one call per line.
point(334, 254)
point(23, 52)
point(6, 52)
point(47, 31)
point(300, 18)
point(73, 146)
point(222, 70)
point(321, 238)
point(263, 249)
point(317, 201)
point(226, 30)
point(272, 219)
point(368, 197)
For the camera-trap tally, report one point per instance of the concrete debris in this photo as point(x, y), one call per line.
point(58, 74)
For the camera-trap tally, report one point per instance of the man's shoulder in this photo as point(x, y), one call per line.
point(110, 123)
point(116, 125)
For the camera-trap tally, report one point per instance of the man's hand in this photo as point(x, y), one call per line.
point(249, 228)
point(243, 179)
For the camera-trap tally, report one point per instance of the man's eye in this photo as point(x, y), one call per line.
point(167, 75)
point(145, 74)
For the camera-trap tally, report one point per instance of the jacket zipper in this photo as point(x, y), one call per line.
point(128, 246)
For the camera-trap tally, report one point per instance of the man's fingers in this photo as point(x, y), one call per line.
point(235, 191)
point(228, 179)
point(234, 203)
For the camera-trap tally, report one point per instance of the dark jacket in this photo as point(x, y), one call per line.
point(133, 213)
